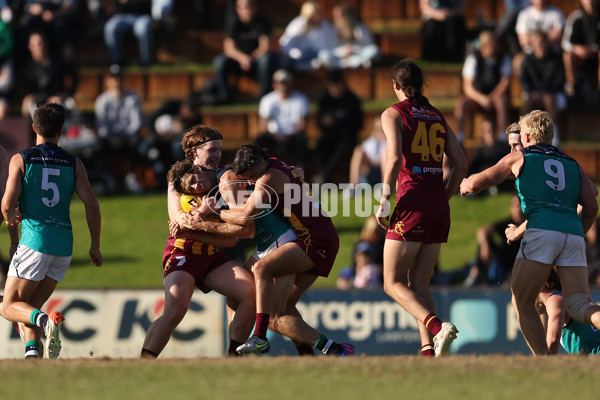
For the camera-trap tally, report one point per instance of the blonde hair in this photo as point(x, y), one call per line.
point(513, 128)
point(539, 126)
point(309, 7)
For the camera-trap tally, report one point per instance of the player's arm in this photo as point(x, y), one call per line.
point(510, 163)
point(587, 200)
point(13, 231)
point(208, 238)
point(274, 180)
point(14, 185)
point(92, 211)
point(191, 221)
point(514, 232)
point(391, 124)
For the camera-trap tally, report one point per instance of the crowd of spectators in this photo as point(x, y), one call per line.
point(555, 57)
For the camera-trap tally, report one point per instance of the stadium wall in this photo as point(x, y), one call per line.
point(113, 323)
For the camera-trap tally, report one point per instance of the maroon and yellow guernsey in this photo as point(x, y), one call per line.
point(420, 181)
point(305, 214)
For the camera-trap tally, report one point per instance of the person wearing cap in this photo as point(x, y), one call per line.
point(365, 274)
point(283, 116)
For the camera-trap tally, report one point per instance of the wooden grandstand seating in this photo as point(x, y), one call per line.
point(396, 27)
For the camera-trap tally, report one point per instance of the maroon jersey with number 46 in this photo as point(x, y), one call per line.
point(420, 181)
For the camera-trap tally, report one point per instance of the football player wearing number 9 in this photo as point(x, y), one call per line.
point(39, 189)
point(550, 184)
point(417, 137)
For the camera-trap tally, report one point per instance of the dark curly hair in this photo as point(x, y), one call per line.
point(177, 172)
point(247, 157)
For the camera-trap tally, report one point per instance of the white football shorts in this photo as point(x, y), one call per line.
point(35, 266)
point(553, 247)
point(287, 236)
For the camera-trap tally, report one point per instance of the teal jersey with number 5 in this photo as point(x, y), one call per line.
point(549, 186)
point(45, 200)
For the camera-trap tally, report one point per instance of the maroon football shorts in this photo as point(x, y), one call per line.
point(322, 251)
point(197, 265)
point(419, 226)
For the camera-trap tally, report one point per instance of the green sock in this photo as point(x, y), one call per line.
point(32, 349)
point(33, 316)
point(321, 342)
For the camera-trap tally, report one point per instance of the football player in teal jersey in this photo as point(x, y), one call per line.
point(41, 183)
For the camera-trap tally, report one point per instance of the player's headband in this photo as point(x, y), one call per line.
point(207, 140)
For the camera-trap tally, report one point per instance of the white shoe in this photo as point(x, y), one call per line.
point(52, 328)
point(443, 339)
point(254, 345)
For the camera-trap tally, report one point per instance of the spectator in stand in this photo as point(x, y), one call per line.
point(542, 79)
point(55, 18)
point(304, 36)
point(167, 126)
point(444, 33)
point(581, 45)
point(486, 85)
point(538, 17)
point(352, 45)
point(246, 48)
point(365, 273)
point(368, 158)
point(130, 17)
point(118, 123)
point(506, 27)
point(7, 69)
point(340, 118)
point(489, 153)
point(282, 119)
point(46, 75)
point(495, 256)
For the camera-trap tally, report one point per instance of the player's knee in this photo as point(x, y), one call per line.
point(577, 304)
point(276, 322)
point(259, 269)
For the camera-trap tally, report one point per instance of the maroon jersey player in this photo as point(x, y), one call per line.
point(286, 273)
point(417, 137)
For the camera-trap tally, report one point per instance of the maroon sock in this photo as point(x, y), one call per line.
point(427, 351)
point(262, 324)
point(148, 354)
point(305, 350)
point(433, 323)
point(233, 345)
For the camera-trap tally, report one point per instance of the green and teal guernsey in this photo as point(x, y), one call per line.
point(269, 225)
point(549, 186)
point(45, 200)
point(578, 338)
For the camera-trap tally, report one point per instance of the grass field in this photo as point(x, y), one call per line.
point(134, 231)
point(281, 378)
